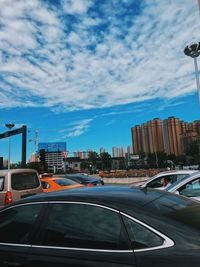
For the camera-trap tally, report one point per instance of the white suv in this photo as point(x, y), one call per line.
point(18, 183)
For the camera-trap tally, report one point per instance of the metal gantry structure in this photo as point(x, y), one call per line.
point(22, 131)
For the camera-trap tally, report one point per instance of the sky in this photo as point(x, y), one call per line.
point(86, 71)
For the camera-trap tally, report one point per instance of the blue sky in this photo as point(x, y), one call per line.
point(86, 71)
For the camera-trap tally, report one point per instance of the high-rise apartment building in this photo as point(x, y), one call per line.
point(102, 150)
point(172, 131)
point(145, 138)
point(122, 152)
point(171, 136)
point(148, 137)
point(115, 152)
point(137, 139)
point(119, 152)
point(155, 132)
point(81, 154)
point(130, 150)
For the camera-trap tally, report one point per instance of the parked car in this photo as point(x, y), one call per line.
point(85, 179)
point(100, 227)
point(189, 186)
point(18, 183)
point(172, 175)
point(50, 184)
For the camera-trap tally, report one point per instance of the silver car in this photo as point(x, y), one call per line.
point(188, 187)
point(173, 175)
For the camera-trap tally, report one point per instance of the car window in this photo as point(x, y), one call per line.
point(80, 178)
point(155, 183)
point(181, 177)
point(84, 226)
point(140, 236)
point(74, 179)
point(45, 185)
point(158, 182)
point(20, 181)
point(1, 183)
point(17, 223)
point(64, 182)
point(191, 189)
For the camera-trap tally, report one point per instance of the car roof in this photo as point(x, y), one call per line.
point(177, 172)
point(17, 171)
point(50, 178)
point(113, 196)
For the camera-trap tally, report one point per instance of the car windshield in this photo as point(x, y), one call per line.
point(64, 182)
point(178, 181)
point(28, 180)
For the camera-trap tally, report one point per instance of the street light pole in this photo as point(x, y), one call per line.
point(193, 51)
point(197, 77)
point(9, 125)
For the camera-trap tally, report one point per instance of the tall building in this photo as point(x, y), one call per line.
point(102, 150)
point(53, 153)
point(34, 157)
point(130, 150)
point(172, 131)
point(53, 146)
point(148, 137)
point(115, 152)
point(155, 131)
point(81, 154)
point(171, 136)
point(145, 138)
point(122, 152)
point(137, 139)
point(196, 126)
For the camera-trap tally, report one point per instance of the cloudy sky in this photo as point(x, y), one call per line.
point(86, 71)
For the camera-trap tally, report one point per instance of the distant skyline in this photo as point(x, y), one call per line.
point(86, 71)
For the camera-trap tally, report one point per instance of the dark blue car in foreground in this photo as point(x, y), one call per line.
point(101, 227)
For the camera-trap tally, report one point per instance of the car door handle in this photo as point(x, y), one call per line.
point(11, 263)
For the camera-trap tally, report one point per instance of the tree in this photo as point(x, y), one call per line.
point(34, 165)
point(122, 164)
point(193, 151)
point(105, 161)
point(151, 160)
point(162, 157)
point(92, 158)
point(84, 165)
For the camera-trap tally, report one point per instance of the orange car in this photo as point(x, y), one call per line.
point(50, 184)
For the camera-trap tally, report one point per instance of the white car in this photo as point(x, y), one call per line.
point(188, 187)
point(174, 176)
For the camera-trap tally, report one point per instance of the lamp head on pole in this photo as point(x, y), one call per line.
point(192, 50)
point(9, 125)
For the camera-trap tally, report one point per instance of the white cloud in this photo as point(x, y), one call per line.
point(46, 60)
point(76, 6)
point(78, 128)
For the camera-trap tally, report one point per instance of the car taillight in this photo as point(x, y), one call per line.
point(90, 185)
point(8, 198)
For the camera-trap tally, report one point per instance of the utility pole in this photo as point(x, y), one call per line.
point(35, 140)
